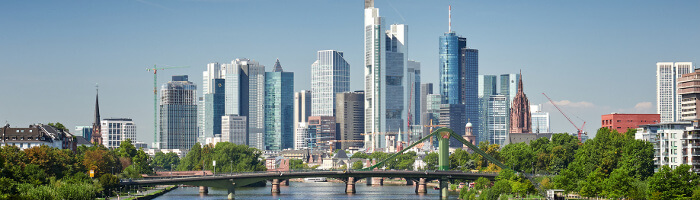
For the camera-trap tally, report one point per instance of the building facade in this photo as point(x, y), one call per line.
point(487, 88)
point(689, 89)
point(520, 119)
point(117, 130)
point(304, 136)
point(325, 128)
point(413, 91)
point(330, 74)
point(350, 118)
point(85, 131)
point(245, 96)
point(622, 122)
point(386, 53)
point(302, 108)
point(178, 114)
point(279, 109)
point(668, 101)
point(36, 135)
point(675, 143)
point(425, 90)
point(496, 120)
point(540, 119)
point(214, 103)
point(234, 129)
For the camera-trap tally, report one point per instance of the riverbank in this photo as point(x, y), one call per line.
point(148, 194)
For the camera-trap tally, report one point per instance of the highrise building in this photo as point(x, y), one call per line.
point(689, 89)
point(304, 136)
point(325, 127)
point(117, 130)
point(425, 90)
point(386, 54)
point(509, 85)
point(497, 119)
point(234, 129)
point(350, 118)
point(540, 119)
point(178, 114)
point(302, 107)
point(668, 101)
point(330, 74)
point(487, 88)
point(520, 121)
point(85, 131)
point(279, 109)
point(452, 116)
point(245, 96)
point(213, 108)
point(432, 111)
point(413, 91)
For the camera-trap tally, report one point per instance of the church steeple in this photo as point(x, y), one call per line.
point(96, 127)
point(520, 119)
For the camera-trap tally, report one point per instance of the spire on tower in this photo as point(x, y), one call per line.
point(278, 67)
point(450, 19)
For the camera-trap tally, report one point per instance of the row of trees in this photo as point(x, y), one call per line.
point(44, 172)
point(229, 157)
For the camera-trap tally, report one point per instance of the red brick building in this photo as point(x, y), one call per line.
point(622, 122)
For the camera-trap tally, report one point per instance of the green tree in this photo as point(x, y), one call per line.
point(109, 182)
point(593, 185)
point(126, 149)
point(193, 159)
point(166, 161)
point(467, 194)
point(670, 183)
point(501, 187)
point(482, 183)
point(232, 157)
point(518, 156)
point(297, 164)
point(58, 126)
point(461, 160)
point(357, 165)
point(431, 160)
point(362, 155)
point(619, 184)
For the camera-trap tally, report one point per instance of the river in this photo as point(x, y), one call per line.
point(300, 190)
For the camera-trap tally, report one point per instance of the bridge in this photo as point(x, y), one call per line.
point(443, 175)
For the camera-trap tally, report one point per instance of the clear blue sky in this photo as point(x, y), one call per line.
point(596, 57)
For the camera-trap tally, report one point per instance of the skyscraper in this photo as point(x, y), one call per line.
point(279, 109)
point(520, 121)
point(413, 91)
point(213, 108)
point(302, 107)
point(386, 54)
point(668, 101)
point(497, 119)
point(509, 85)
point(487, 88)
point(245, 96)
point(350, 118)
point(234, 129)
point(178, 114)
point(330, 74)
point(425, 90)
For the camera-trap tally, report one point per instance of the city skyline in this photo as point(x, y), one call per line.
point(555, 50)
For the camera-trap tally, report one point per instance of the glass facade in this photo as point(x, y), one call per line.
point(497, 118)
point(279, 110)
point(178, 114)
point(450, 75)
point(214, 108)
point(487, 88)
point(330, 74)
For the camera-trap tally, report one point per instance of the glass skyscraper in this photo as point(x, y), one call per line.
point(487, 88)
point(497, 118)
point(245, 96)
point(330, 74)
point(279, 109)
point(178, 114)
point(451, 75)
point(214, 108)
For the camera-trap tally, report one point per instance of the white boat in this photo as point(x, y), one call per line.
point(315, 179)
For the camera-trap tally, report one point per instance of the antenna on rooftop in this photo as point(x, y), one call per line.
point(450, 19)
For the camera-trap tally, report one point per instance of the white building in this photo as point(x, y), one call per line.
point(330, 74)
point(675, 143)
point(304, 136)
point(234, 129)
point(178, 114)
point(668, 101)
point(116, 130)
point(386, 57)
point(35, 135)
point(540, 119)
point(302, 108)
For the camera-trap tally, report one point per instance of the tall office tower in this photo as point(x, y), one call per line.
point(386, 54)
point(279, 109)
point(213, 108)
point(470, 59)
point(85, 131)
point(178, 114)
point(540, 119)
point(432, 111)
point(96, 125)
point(200, 120)
point(117, 130)
point(497, 119)
point(350, 112)
point(520, 121)
point(245, 96)
point(452, 116)
point(325, 127)
point(425, 90)
point(234, 129)
point(302, 107)
point(330, 74)
point(487, 88)
point(214, 71)
point(413, 92)
point(668, 101)
point(509, 85)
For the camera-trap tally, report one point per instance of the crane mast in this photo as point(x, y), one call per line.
point(579, 130)
point(155, 99)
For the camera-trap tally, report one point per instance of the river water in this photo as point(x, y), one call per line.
point(300, 190)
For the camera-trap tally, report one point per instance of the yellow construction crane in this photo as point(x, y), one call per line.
point(431, 128)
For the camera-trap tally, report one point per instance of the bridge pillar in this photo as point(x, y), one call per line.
point(203, 190)
point(421, 186)
point(284, 182)
point(350, 186)
point(275, 186)
point(232, 191)
point(444, 187)
point(409, 181)
point(375, 181)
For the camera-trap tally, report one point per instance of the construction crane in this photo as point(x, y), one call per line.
point(410, 99)
point(431, 126)
point(332, 142)
point(579, 130)
point(155, 98)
